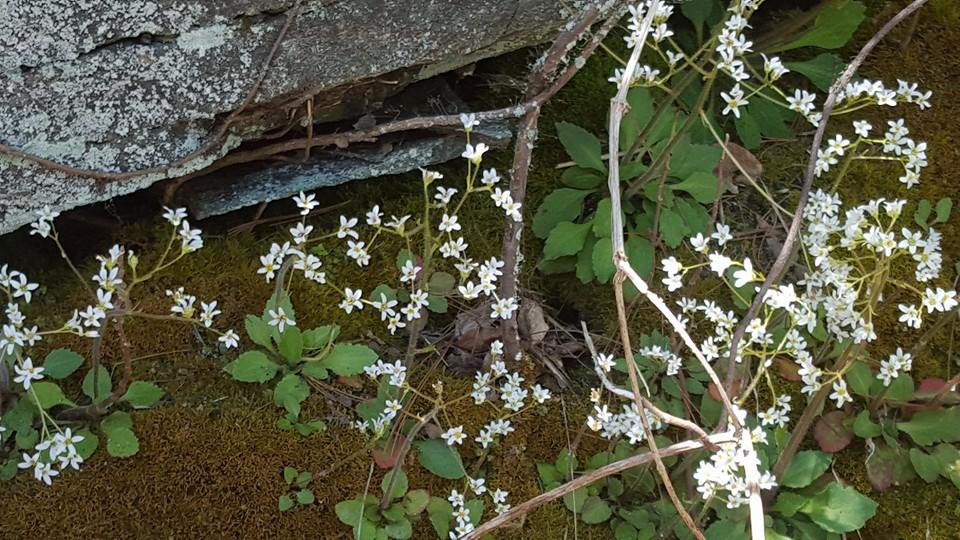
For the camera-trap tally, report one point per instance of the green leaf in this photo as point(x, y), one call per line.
point(864, 427)
point(595, 510)
point(929, 427)
point(104, 385)
point(315, 370)
point(560, 205)
point(860, 378)
point(839, 509)
point(348, 359)
point(400, 530)
point(672, 227)
point(289, 474)
point(88, 445)
point(116, 420)
point(403, 256)
point(639, 252)
point(944, 207)
point(305, 497)
point(575, 500)
point(833, 28)
point(440, 511)
point(601, 260)
point(558, 266)
point(789, 503)
point(49, 394)
point(601, 218)
point(693, 215)
point(582, 146)
point(747, 129)
point(922, 215)
point(928, 467)
point(726, 529)
point(440, 459)
point(416, 501)
point(690, 158)
point(637, 117)
point(258, 330)
point(697, 11)
point(437, 304)
point(399, 485)
point(565, 239)
point(821, 69)
point(290, 343)
point(141, 394)
point(320, 336)
point(770, 118)
point(581, 178)
point(122, 442)
point(350, 512)
point(286, 503)
point(584, 260)
point(61, 363)
point(442, 282)
point(702, 186)
point(252, 366)
point(290, 393)
point(806, 467)
point(901, 388)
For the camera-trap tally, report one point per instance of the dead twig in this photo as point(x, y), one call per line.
point(539, 85)
point(590, 477)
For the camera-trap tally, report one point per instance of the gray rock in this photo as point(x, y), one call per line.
point(122, 86)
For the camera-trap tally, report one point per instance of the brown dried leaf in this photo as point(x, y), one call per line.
point(833, 431)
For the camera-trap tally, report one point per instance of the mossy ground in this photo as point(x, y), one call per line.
point(210, 457)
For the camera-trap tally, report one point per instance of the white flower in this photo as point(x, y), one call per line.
point(409, 271)
point(671, 266)
point(469, 291)
point(351, 300)
point(174, 216)
point(346, 228)
point(773, 67)
point(745, 275)
point(27, 373)
point(722, 234)
point(862, 128)
point(448, 224)
point(911, 316)
point(605, 362)
point(475, 153)
point(280, 319)
point(230, 339)
point(939, 300)
point(300, 233)
point(454, 435)
point(469, 121)
point(540, 394)
point(305, 203)
point(504, 308)
point(719, 263)
point(477, 485)
point(840, 393)
point(734, 100)
point(444, 195)
point(490, 177)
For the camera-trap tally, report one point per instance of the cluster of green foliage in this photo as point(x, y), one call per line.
point(97, 386)
point(293, 355)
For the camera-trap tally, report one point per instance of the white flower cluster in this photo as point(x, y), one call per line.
point(615, 425)
point(850, 256)
point(725, 472)
point(59, 451)
point(447, 242)
point(466, 523)
point(895, 144)
point(116, 276)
